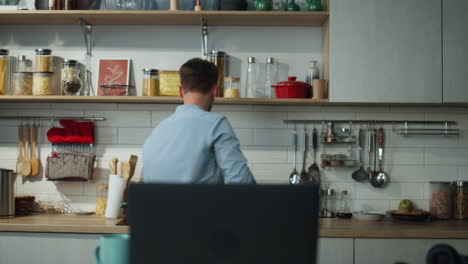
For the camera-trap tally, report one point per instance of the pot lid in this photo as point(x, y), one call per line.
point(292, 83)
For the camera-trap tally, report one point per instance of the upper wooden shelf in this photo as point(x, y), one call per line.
point(213, 18)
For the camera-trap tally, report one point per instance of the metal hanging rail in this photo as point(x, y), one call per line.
point(428, 122)
point(90, 118)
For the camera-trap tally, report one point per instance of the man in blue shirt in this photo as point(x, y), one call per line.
point(194, 145)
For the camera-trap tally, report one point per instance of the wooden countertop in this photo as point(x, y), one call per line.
point(335, 228)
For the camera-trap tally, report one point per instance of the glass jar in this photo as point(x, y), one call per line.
point(441, 200)
point(23, 65)
point(4, 63)
point(219, 59)
point(101, 198)
point(150, 82)
point(270, 77)
point(43, 62)
point(22, 83)
point(460, 192)
point(43, 83)
point(232, 87)
point(251, 78)
point(71, 82)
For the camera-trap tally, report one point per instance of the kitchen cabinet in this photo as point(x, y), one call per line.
point(390, 251)
point(386, 51)
point(335, 251)
point(455, 53)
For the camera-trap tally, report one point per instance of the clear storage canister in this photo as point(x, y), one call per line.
point(22, 83)
point(460, 194)
point(150, 82)
point(441, 200)
point(43, 62)
point(71, 82)
point(4, 62)
point(219, 59)
point(43, 83)
point(101, 198)
point(232, 87)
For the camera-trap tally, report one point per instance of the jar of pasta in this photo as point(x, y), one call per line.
point(43, 62)
point(219, 59)
point(101, 198)
point(460, 200)
point(43, 83)
point(71, 82)
point(150, 82)
point(4, 63)
point(22, 83)
point(232, 87)
point(441, 200)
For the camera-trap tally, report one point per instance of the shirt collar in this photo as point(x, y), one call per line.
point(189, 107)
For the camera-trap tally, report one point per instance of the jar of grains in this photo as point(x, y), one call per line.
point(4, 62)
point(101, 198)
point(232, 87)
point(22, 83)
point(43, 83)
point(71, 82)
point(43, 62)
point(460, 200)
point(441, 200)
point(150, 82)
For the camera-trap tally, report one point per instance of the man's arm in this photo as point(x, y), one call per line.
point(229, 156)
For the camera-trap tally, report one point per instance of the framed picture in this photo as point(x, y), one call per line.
point(114, 77)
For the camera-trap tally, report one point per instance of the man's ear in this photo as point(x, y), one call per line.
point(181, 92)
point(215, 90)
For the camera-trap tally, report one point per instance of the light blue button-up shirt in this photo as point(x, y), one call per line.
point(194, 146)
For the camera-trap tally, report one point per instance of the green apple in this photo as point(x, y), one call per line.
point(406, 205)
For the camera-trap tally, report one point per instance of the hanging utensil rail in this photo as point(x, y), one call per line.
point(428, 122)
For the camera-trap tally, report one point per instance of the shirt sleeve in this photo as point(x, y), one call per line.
point(229, 157)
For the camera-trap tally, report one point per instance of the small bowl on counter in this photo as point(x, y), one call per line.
point(368, 216)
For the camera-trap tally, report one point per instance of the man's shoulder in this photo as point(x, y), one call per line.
point(213, 117)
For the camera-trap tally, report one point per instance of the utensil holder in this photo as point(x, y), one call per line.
point(115, 195)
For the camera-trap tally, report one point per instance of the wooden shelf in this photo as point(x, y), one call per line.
point(213, 18)
point(155, 99)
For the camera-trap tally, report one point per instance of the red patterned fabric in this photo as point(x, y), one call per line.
point(72, 133)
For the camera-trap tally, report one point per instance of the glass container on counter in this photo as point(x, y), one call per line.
point(460, 194)
point(232, 87)
point(150, 82)
point(219, 59)
point(22, 83)
point(101, 198)
point(441, 200)
point(344, 211)
point(43, 83)
point(43, 61)
point(71, 82)
point(4, 63)
point(251, 78)
point(327, 200)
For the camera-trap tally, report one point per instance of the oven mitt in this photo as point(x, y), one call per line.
point(72, 133)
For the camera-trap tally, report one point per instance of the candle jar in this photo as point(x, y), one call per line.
point(22, 83)
point(4, 63)
point(441, 200)
point(101, 198)
point(150, 82)
point(232, 87)
point(43, 61)
point(43, 83)
point(71, 82)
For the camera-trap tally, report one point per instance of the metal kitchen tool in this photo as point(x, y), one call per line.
point(35, 162)
point(314, 170)
point(294, 177)
point(26, 162)
point(7, 193)
point(380, 178)
point(370, 139)
point(304, 175)
point(360, 174)
point(19, 162)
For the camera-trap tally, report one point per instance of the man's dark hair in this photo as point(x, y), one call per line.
point(197, 75)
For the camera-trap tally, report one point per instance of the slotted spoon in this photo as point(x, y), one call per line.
point(314, 170)
point(294, 177)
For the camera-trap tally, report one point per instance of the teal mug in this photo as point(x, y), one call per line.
point(113, 249)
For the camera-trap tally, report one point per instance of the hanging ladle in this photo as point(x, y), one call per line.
point(360, 174)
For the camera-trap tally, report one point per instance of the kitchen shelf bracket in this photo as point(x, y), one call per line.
point(87, 33)
point(204, 39)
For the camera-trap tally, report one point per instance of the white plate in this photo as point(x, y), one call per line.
point(369, 216)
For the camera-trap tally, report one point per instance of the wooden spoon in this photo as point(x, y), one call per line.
point(114, 166)
point(27, 150)
point(19, 162)
point(35, 162)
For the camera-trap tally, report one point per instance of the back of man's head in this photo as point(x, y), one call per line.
point(198, 75)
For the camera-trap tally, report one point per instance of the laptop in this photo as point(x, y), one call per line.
point(223, 224)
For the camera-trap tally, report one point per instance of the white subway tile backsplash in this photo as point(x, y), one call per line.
point(272, 173)
point(418, 173)
point(158, 116)
point(394, 190)
point(463, 173)
point(272, 137)
point(133, 136)
point(403, 156)
point(89, 106)
point(122, 118)
point(256, 119)
point(148, 107)
point(105, 135)
point(380, 206)
point(9, 134)
point(245, 136)
point(446, 156)
point(264, 154)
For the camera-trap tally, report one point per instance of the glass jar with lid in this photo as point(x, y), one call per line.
point(22, 83)
point(43, 83)
point(151, 82)
point(101, 198)
point(219, 59)
point(4, 70)
point(71, 82)
point(43, 61)
point(441, 200)
point(232, 87)
point(460, 191)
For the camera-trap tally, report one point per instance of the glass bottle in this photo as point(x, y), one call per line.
point(71, 82)
point(4, 66)
point(313, 72)
point(314, 5)
point(150, 82)
point(344, 211)
point(250, 82)
point(270, 78)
